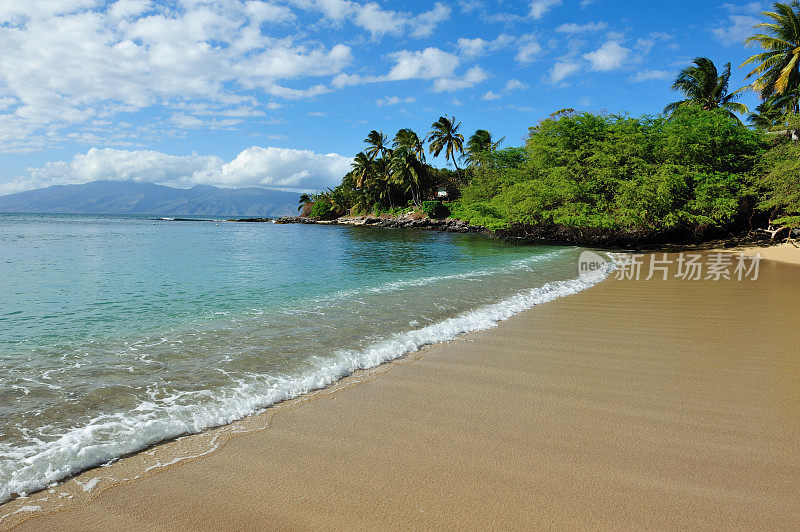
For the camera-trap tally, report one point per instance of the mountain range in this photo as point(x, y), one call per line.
point(129, 197)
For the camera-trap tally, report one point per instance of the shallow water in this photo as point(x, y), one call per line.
point(119, 332)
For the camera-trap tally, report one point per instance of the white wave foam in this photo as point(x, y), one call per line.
point(36, 466)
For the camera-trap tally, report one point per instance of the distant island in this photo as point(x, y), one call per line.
point(128, 197)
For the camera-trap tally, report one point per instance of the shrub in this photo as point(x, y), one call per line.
point(615, 172)
point(435, 209)
point(323, 210)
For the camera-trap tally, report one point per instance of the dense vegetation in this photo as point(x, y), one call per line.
point(617, 172)
point(694, 171)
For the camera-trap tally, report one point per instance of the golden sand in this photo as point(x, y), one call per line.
point(632, 404)
point(786, 252)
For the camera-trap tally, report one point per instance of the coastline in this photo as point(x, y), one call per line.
point(615, 406)
point(547, 235)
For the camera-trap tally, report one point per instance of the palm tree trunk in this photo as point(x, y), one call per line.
point(458, 179)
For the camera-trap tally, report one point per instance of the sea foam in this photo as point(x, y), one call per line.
point(24, 469)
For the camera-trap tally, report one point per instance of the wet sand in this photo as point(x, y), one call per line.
point(632, 404)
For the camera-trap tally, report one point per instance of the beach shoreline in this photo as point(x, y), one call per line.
point(483, 403)
point(786, 252)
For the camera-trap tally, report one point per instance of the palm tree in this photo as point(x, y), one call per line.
point(406, 138)
point(305, 199)
point(778, 67)
point(363, 169)
point(478, 144)
point(444, 135)
point(376, 142)
point(706, 88)
point(768, 114)
point(407, 172)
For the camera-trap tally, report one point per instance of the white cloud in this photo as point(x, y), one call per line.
point(581, 28)
point(254, 166)
point(510, 86)
point(472, 77)
point(515, 85)
point(64, 65)
point(284, 167)
point(610, 56)
point(736, 29)
point(378, 21)
point(426, 64)
point(430, 63)
point(650, 75)
point(527, 50)
point(394, 100)
point(563, 69)
point(538, 8)
point(423, 24)
point(645, 45)
point(478, 47)
point(129, 8)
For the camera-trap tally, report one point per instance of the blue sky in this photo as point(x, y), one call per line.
point(281, 93)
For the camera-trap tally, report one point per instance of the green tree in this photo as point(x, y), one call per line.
point(363, 169)
point(305, 199)
point(408, 139)
point(778, 67)
point(706, 88)
point(768, 114)
point(444, 136)
point(478, 145)
point(376, 144)
point(778, 179)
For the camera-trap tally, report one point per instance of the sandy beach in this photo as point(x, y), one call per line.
point(785, 252)
point(655, 404)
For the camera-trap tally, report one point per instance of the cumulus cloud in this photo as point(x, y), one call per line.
point(428, 64)
point(283, 167)
point(581, 28)
point(527, 49)
point(254, 166)
point(510, 86)
point(425, 64)
point(472, 77)
point(73, 61)
point(538, 8)
point(611, 56)
point(515, 85)
point(739, 23)
point(478, 47)
point(562, 70)
point(394, 100)
point(423, 24)
point(378, 21)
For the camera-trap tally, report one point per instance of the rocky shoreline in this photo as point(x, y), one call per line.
point(551, 235)
point(446, 224)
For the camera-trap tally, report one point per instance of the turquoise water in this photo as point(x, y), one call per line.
point(119, 332)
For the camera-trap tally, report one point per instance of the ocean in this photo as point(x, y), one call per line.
point(118, 332)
